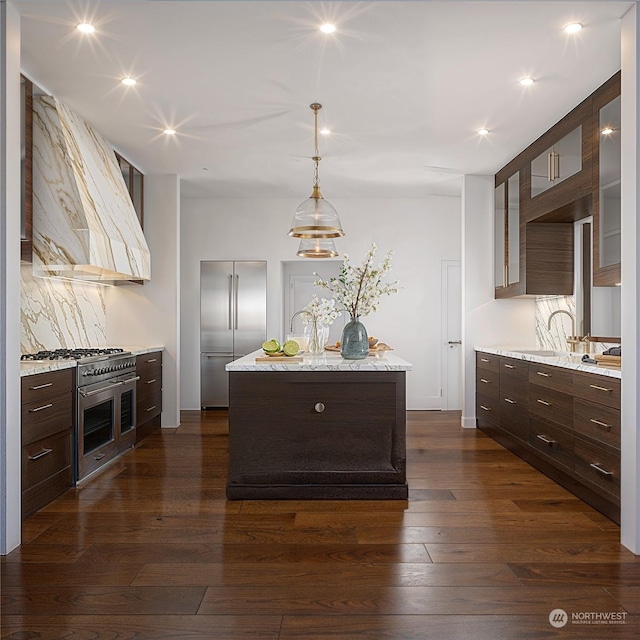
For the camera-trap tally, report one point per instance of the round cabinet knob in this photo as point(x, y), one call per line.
point(319, 407)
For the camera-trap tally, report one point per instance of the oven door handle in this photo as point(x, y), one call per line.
point(86, 394)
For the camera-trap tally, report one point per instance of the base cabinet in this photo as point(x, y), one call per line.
point(565, 423)
point(317, 435)
point(148, 393)
point(47, 423)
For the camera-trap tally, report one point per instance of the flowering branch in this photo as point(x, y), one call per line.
point(358, 289)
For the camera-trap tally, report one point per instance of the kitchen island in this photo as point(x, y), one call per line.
point(317, 427)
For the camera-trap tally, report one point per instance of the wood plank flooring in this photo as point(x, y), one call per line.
point(485, 548)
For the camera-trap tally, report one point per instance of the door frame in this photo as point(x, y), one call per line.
point(444, 301)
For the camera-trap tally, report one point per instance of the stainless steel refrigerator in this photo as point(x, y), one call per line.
point(233, 321)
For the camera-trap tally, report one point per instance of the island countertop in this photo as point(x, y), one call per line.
point(328, 361)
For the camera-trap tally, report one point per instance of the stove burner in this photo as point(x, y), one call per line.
point(69, 354)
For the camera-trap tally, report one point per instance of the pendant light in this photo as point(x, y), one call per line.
point(318, 248)
point(315, 218)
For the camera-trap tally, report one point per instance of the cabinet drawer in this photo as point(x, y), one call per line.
point(551, 377)
point(149, 405)
point(601, 468)
point(551, 405)
point(513, 372)
point(148, 364)
point(47, 385)
point(601, 389)
point(488, 383)
point(514, 417)
point(597, 421)
point(46, 416)
point(45, 458)
point(44, 492)
point(487, 361)
point(554, 443)
point(487, 411)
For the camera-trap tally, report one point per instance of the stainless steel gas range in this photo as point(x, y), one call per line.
point(105, 423)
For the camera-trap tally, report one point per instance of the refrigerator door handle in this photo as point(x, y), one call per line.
point(236, 301)
point(230, 306)
point(218, 354)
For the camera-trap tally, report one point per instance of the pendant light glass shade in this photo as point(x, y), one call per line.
point(318, 248)
point(316, 218)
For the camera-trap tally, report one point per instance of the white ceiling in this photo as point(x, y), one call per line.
point(405, 86)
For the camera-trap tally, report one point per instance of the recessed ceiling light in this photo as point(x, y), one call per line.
point(525, 82)
point(606, 131)
point(129, 82)
point(85, 27)
point(328, 28)
point(170, 132)
point(325, 132)
point(572, 27)
point(483, 132)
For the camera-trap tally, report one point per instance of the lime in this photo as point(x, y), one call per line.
point(271, 346)
point(291, 348)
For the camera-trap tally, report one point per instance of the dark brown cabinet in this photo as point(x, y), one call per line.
point(565, 423)
point(47, 423)
point(149, 393)
point(26, 144)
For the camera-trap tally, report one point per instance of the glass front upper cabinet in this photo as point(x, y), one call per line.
point(609, 183)
point(507, 232)
point(557, 163)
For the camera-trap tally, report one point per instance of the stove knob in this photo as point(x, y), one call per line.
point(86, 373)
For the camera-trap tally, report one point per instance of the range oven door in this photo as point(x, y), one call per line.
point(106, 423)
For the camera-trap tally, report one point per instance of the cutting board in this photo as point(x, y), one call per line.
point(287, 359)
point(608, 361)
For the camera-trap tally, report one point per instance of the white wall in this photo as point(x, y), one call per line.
point(630, 480)
point(150, 314)
point(10, 181)
point(422, 233)
point(485, 322)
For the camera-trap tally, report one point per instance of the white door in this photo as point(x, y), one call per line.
point(451, 350)
point(298, 278)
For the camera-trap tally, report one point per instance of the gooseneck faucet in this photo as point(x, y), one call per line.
point(572, 340)
point(293, 317)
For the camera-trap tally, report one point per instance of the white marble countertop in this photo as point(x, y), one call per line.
point(33, 367)
point(566, 361)
point(329, 361)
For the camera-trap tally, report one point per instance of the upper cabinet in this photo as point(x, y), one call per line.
point(557, 170)
point(507, 241)
point(606, 179)
point(26, 148)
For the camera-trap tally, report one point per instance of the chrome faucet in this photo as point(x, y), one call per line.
point(293, 317)
point(572, 340)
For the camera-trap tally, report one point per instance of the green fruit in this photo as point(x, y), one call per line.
point(291, 348)
point(271, 346)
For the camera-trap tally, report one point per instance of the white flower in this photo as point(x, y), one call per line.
point(320, 311)
point(358, 289)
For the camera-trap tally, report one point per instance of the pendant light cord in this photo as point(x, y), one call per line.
point(316, 158)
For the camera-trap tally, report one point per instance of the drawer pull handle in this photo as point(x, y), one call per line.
point(99, 457)
point(546, 440)
point(603, 425)
point(42, 454)
point(509, 400)
point(41, 386)
point(484, 360)
point(151, 408)
point(485, 381)
point(542, 373)
point(545, 403)
point(150, 381)
point(509, 366)
point(604, 472)
point(44, 406)
point(319, 407)
point(485, 408)
point(153, 360)
point(595, 386)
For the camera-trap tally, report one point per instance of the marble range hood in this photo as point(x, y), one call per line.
point(84, 223)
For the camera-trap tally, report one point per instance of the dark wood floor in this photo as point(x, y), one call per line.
point(486, 547)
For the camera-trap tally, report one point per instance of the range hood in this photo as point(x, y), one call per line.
point(84, 223)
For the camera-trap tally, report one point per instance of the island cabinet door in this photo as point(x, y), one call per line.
point(316, 428)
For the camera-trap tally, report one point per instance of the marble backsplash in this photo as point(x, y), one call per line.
point(556, 338)
point(58, 313)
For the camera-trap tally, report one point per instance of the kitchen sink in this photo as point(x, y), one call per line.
point(550, 353)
